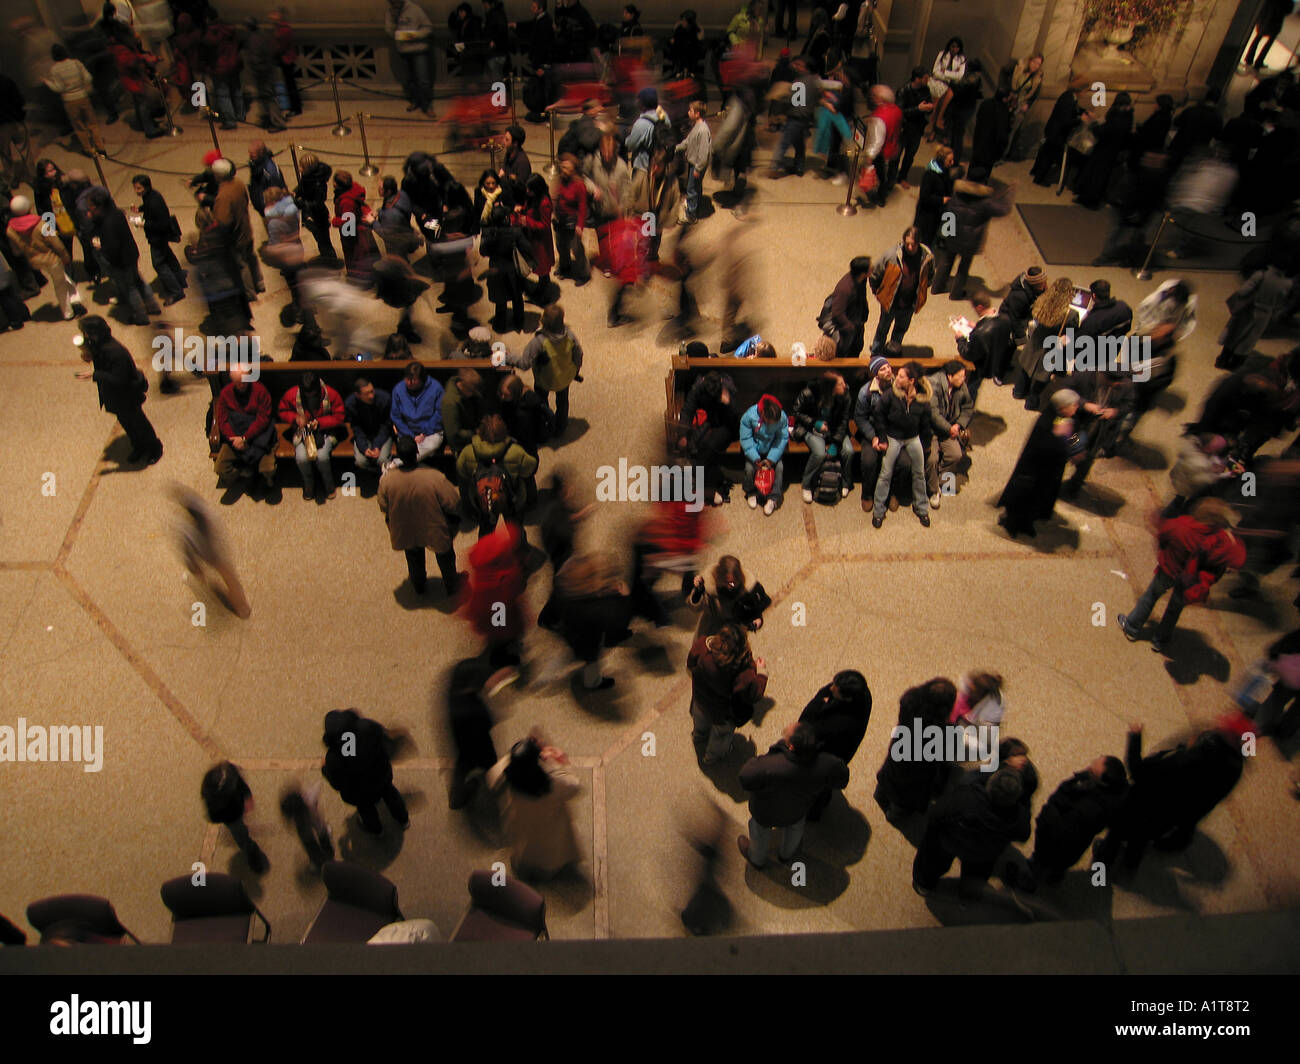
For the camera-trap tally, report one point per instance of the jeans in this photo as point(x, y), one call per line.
point(230, 99)
point(916, 455)
point(793, 135)
point(561, 409)
point(817, 458)
point(826, 121)
point(1137, 617)
point(360, 460)
point(272, 115)
point(718, 735)
point(760, 841)
point(134, 294)
point(778, 482)
point(171, 279)
point(419, 79)
point(900, 316)
point(322, 464)
point(428, 446)
point(694, 186)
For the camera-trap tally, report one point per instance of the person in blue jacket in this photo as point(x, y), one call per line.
point(764, 436)
point(417, 410)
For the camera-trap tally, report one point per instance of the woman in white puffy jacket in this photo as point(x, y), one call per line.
point(949, 68)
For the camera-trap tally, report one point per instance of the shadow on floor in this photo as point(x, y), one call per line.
point(1161, 875)
point(1191, 656)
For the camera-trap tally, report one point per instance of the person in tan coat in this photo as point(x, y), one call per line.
point(73, 83)
point(27, 238)
point(535, 784)
point(231, 213)
point(420, 506)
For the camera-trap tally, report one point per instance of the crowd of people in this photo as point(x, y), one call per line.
point(632, 170)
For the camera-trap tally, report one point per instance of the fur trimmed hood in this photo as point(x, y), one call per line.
point(924, 390)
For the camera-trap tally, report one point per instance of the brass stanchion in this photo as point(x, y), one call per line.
point(846, 208)
point(211, 116)
point(99, 169)
point(369, 169)
point(514, 99)
point(1144, 274)
point(552, 169)
point(293, 154)
point(173, 130)
point(340, 130)
point(492, 147)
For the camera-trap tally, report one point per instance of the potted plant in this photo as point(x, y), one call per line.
point(1120, 21)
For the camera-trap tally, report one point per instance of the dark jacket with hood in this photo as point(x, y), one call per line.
point(782, 789)
point(894, 416)
point(809, 410)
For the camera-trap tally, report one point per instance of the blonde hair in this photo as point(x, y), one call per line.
point(824, 349)
point(1052, 306)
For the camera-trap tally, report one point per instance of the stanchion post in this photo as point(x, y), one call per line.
point(99, 169)
point(551, 169)
point(369, 169)
point(1144, 274)
point(211, 116)
point(514, 99)
point(846, 208)
point(293, 154)
point(173, 130)
point(340, 130)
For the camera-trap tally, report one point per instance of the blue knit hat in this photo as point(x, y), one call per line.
point(873, 367)
point(648, 98)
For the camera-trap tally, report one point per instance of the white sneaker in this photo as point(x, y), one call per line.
point(112, 301)
point(69, 314)
point(769, 507)
point(717, 498)
point(807, 495)
point(844, 492)
point(839, 179)
point(753, 501)
point(934, 500)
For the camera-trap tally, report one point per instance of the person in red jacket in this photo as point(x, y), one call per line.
point(287, 57)
point(352, 218)
point(1195, 552)
point(493, 603)
point(135, 69)
point(569, 198)
point(315, 412)
point(221, 47)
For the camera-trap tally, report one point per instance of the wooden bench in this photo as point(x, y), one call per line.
point(778, 377)
point(341, 375)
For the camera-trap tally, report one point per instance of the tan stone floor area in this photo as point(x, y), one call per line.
point(95, 622)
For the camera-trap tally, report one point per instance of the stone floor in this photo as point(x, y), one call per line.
point(96, 621)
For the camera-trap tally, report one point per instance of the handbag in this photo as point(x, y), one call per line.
point(868, 181)
point(1082, 140)
point(751, 604)
point(764, 477)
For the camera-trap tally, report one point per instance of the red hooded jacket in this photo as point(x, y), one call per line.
point(496, 576)
point(1196, 555)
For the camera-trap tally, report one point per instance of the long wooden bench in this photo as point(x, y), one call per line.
point(341, 375)
point(778, 377)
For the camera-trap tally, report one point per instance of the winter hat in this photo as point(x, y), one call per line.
point(648, 98)
point(20, 205)
point(481, 333)
point(1065, 397)
point(211, 156)
point(222, 169)
point(873, 367)
point(1036, 276)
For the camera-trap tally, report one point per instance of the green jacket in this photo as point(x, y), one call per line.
point(555, 361)
point(518, 463)
point(460, 416)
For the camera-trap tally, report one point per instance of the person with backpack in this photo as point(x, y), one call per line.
point(555, 357)
point(641, 137)
point(821, 421)
point(844, 313)
point(494, 471)
point(732, 601)
point(726, 682)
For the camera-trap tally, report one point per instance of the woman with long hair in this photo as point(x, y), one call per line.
point(533, 216)
point(721, 606)
point(535, 784)
point(1053, 317)
point(313, 187)
point(726, 682)
point(949, 68)
point(48, 198)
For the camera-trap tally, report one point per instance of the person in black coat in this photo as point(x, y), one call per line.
point(784, 785)
point(903, 785)
point(470, 722)
point(838, 715)
point(1152, 133)
point(1195, 127)
point(966, 96)
point(121, 385)
point(1173, 790)
point(358, 765)
point(821, 415)
point(1017, 305)
point(1112, 140)
point(594, 608)
point(992, 130)
point(158, 232)
point(1065, 116)
point(916, 103)
point(117, 251)
point(972, 206)
point(973, 823)
point(936, 187)
point(499, 241)
point(1035, 484)
point(709, 423)
point(313, 188)
point(1079, 809)
point(990, 343)
point(226, 797)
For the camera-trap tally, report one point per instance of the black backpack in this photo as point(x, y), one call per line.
point(829, 482)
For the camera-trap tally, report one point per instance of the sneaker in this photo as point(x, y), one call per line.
point(807, 495)
point(500, 679)
point(769, 507)
point(1158, 645)
point(935, 499)
point(924, 519)
point(717, 498)
point(844, 492)
point(1129, 634)
point(876, 522)
point(753, 501)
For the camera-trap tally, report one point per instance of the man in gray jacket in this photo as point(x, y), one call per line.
point(697, 146)
point(950, 413)
point(784, 784)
